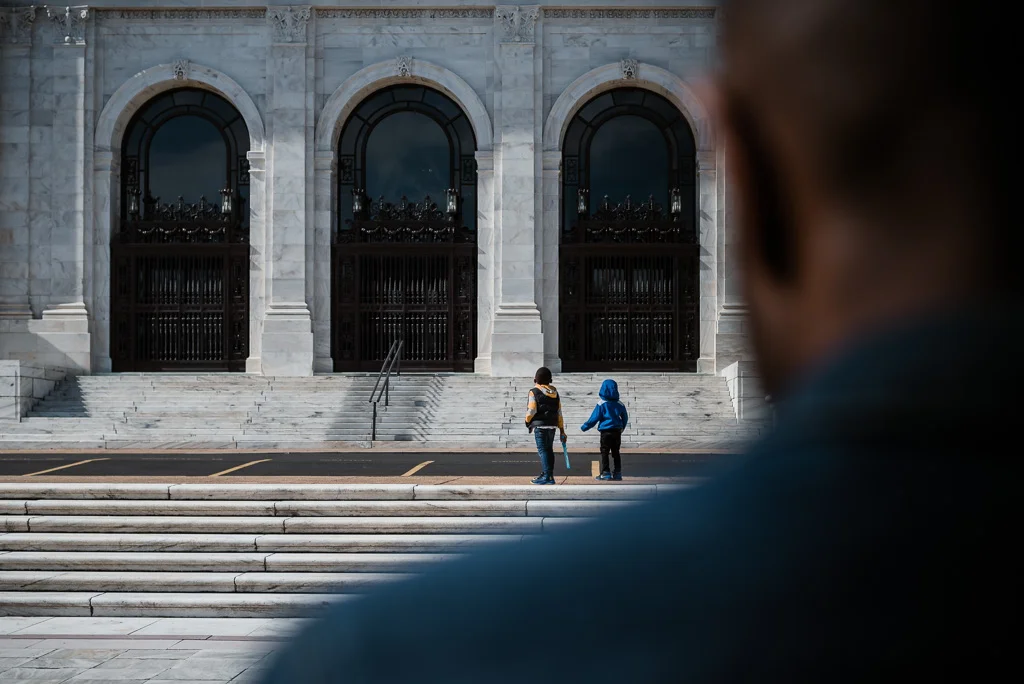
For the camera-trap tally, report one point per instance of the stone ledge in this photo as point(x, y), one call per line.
point(22, 384)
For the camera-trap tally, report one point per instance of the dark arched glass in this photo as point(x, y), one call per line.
point(188, 143)
point(407, 140)
point(628, 157)
point(408, 154)
point(628, 141)
point(186, 159)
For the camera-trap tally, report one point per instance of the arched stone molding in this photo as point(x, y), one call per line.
point(336, 111)
point(403, 70)
point(611, 76)
point(675, 89)
point(110, 129)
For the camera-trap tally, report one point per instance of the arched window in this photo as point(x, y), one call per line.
point(630, 143)
point(628, 256)
point(404, 256)
point(185, 148)
point(409, 141)
point(179, 285)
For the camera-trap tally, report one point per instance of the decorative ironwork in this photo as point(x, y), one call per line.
point(405, 269)
point(629, 270)
point(572, 170)
point(347, 168)
point(180, 270)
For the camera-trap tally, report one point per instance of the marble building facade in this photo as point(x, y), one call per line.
point(71, 79)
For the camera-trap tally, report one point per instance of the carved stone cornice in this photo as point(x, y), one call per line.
point(518, 22)
point(403, 66)
point(16, 25)
point(69, 24)
point(410, 13)
point(690, 13)
point(185, 14)
point(288, 24)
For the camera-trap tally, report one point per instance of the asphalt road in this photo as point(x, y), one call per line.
point(367, 464)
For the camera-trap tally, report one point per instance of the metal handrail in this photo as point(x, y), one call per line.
point(392, 361)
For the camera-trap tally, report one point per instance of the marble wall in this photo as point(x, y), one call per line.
point(70, 78)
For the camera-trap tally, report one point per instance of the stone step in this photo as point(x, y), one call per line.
point(288, 509)
point(219, 562)
point(328, 492)
point(202, 582)
point(381, 525)
point(127, 604)
point(269, 543)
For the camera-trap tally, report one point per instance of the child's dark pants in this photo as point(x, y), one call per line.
point(611, 441)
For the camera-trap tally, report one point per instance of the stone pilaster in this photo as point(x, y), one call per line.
point(66, 319)
point(287, 347)
point(517, 343)
point(485, 259)
point(16, 25)
point(67, 288)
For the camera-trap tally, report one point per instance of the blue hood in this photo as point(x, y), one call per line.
point(609, 391)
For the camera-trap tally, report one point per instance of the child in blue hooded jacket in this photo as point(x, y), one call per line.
point(610, 417)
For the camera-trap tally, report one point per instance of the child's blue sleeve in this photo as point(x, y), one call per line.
point(592, 421)
point(625, 416)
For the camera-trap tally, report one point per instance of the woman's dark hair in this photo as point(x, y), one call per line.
point(542, 376)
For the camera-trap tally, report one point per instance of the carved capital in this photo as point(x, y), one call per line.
point(629, 69)
point(518, 22)
point(69, 24)
point(403, 66)
point(288, 24)
point(16, 25)
point(180, 69)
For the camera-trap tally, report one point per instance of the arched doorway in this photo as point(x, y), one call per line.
point(180, 254)
point(404, 252)
point(628, 252)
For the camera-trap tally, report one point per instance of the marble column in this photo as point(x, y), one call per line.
point(15, 162)
point(517, 343)
point(287, 347)
point(66, 311)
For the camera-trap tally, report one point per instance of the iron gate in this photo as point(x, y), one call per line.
point(629, 293)
point(180, 292)
point(411, 277)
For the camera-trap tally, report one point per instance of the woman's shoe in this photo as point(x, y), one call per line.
point(604, 476)
point(617, 476)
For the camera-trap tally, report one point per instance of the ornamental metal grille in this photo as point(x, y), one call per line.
point(404, 263)
point(180, 268)
point(629, 263)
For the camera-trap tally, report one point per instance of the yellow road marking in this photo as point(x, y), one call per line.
point(239, 467)
point(594, 469)
point(417, 468)
point(69, 465)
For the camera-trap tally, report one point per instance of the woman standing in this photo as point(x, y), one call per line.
point(543, 416)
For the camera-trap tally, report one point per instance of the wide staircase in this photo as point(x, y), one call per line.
point(241, 550)
point(248, 411)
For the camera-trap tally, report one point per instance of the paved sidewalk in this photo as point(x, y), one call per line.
point(140, 650)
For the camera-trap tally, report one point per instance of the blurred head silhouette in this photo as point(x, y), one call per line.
point(867, 146)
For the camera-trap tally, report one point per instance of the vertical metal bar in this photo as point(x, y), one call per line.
point(373, 430)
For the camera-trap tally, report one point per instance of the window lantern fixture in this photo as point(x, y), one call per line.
point(676, 204)
point(451, 202)
point(133, 203)
point(226, 201)
point(583, 202)
point(357, 202)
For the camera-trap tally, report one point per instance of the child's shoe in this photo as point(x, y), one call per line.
point(604, 476)
point(617, 475)
point(543, 479)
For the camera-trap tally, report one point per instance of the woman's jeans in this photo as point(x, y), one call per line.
point(545, 449)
